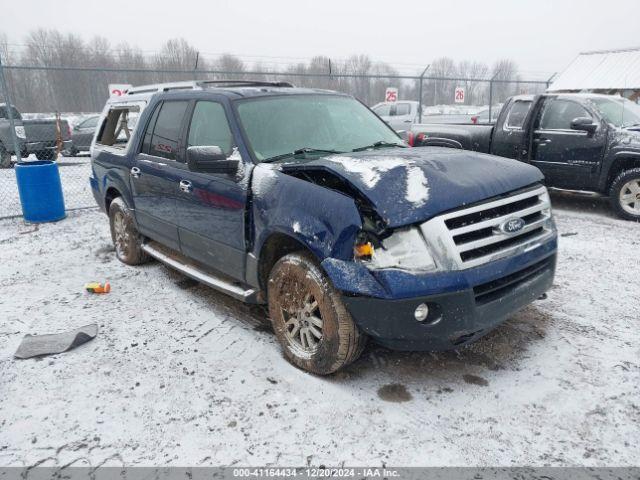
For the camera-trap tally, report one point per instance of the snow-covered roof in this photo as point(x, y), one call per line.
point(609, 69)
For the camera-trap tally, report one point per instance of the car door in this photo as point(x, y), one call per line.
point(568, 158)
point(156, 174)
point(383, 110)
point(83, 133)
point(401, 117)
point(212, 206)
point(508, 136)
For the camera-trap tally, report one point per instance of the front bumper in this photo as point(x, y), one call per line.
point(463, 305)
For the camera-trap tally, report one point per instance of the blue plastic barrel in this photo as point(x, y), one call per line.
point(40, 191)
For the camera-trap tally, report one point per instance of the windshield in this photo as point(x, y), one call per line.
point(281, 125)
point(618, 111)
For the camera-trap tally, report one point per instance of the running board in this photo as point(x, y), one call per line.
point(187, 267)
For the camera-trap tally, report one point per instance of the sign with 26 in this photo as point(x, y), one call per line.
point(459, 95)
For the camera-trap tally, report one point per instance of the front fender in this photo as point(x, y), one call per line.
point(323, 220)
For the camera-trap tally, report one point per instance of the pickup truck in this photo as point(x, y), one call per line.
point(579, 141)
point(37, 136)
point(306, 201)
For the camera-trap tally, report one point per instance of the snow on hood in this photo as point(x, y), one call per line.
point(410, 185)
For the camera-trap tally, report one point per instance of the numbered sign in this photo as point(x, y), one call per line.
point(391, 95)
point(459, 95)
point(118, 89)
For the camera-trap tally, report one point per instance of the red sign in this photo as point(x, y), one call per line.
point(459, 95)
point(391, 95)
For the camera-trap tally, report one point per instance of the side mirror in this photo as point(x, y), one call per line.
point(584, 124)
point(210, 159)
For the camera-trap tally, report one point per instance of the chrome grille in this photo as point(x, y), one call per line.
point(472, 236)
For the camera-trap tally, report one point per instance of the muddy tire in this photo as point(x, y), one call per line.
point(625, 194)
point(313, 326)
point(125, 236)
point(5, 158)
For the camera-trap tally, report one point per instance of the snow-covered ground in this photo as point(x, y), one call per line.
point(181, 375)
point(74, 176)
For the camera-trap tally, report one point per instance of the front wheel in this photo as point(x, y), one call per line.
point(625, 194)
point(125, 236)
point(5, 158)
point(313, 326)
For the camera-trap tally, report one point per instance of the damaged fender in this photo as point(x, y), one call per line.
point(323, 220)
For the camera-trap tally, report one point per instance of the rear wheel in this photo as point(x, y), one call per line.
point(313, 326)
point(5, 158)
point(125, 236)
point(45, 155)
point(625, 194)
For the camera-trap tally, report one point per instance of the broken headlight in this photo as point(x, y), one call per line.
point(404, 250)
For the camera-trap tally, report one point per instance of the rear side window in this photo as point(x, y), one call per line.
point(517, 114)
point(117, 127)
point(209, 127)
point(558, 114)
point(167, 129)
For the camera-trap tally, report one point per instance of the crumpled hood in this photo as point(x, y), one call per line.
point(410, 185)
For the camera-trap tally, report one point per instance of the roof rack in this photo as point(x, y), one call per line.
point(244, 83)
point(196, 84)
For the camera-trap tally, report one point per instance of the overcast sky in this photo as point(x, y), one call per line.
point(541, 36)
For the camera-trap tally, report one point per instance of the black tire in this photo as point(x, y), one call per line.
point(46, 155)
point(296, 283)
point(125, 236)
point(5, 158)
point(73, 152)
point(626, 186)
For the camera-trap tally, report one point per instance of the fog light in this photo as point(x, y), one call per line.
point(422, 312)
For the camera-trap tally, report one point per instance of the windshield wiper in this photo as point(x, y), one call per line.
point(379, 144)
point(299, 151)
point(633, 125)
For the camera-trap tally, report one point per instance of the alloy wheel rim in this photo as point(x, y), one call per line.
point(630, 197)
point(121, 234)
point(303, 324)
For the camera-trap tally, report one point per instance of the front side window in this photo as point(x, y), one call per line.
point(558, 114)
point(517, 114)
point(209, 127)
point(283, 124)
point(167, 129)
point(5, 115)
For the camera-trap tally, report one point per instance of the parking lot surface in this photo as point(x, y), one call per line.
point(181, 375)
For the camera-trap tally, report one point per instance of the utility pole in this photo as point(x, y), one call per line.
point(420, 93)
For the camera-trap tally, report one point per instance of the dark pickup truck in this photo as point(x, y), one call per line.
point(306, 201)
point(37, 136)
point(579, 142)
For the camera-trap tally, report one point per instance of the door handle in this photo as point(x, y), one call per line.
point(186, 186)
point(542, 141)
point(135, 172)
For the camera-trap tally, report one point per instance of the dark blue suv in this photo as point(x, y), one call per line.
point(305, 200)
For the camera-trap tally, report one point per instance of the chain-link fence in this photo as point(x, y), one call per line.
point(55, 109)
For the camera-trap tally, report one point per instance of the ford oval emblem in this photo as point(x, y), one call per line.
point(512, 225)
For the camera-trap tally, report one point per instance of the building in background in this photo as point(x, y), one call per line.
point(607, 71)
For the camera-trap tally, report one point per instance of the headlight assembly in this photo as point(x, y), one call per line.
point(404, 250)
